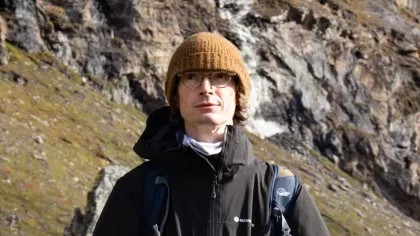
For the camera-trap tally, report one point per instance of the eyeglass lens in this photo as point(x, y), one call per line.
point(193, 80)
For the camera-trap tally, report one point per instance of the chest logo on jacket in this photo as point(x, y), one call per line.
point(239, 220)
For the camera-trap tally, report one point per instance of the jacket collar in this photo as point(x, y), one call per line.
point(237, 152)
point(162, 140)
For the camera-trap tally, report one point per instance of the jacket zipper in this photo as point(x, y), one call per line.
point(213, 193)
point(217, 174)
point(213, 211)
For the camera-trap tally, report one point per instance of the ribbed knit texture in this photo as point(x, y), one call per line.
point(206, 51)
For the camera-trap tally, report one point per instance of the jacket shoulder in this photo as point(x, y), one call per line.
point(305, 218)
point(136, 174)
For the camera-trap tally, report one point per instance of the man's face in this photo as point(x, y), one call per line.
point(207, 104)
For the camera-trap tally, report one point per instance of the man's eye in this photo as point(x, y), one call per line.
point(220, 77)
point(191, 77)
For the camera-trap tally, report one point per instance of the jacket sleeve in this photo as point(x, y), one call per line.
point(121, 213)
point(305, 219)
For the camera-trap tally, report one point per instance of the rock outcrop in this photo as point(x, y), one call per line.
point(413, 5)
point(337, 77)
point(325, 82)
point(83, 225)
point(4, 53)
point(26, 29)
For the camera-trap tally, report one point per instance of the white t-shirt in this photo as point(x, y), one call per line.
point(206, 149)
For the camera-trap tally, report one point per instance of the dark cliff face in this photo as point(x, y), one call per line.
point(338, 77)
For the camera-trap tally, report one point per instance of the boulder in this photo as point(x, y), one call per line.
point(27, 23)
point(4, 53)
point(84, 224)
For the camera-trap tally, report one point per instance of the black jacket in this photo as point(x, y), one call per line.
point(241, 183)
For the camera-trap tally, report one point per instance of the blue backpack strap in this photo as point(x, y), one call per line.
point(155, 205)
point(285, 189)
point(283, 197)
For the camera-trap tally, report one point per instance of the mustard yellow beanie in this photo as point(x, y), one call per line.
point(207, 51)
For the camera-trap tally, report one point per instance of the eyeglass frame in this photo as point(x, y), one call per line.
point(208, 75)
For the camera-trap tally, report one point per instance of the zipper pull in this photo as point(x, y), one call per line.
point(213, 193)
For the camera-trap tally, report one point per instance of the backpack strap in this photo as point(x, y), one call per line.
point(283, 197)
point(155, 205)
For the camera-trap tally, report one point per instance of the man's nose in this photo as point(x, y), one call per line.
point(206, 86)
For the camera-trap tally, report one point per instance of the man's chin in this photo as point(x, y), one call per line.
point(210, 119)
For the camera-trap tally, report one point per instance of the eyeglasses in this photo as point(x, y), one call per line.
point(218, 79)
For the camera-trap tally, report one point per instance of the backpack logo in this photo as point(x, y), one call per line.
point(237, 219)
point(282, 192)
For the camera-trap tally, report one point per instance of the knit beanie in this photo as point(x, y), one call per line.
point(207, 51)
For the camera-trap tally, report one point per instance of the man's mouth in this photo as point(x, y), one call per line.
point(207, 104)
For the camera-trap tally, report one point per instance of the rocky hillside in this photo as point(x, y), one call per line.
point(335, 77)
point(58, 133)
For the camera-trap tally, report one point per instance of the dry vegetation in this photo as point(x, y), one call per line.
point(57, 15)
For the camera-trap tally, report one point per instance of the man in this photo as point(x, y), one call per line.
point(217, 186)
